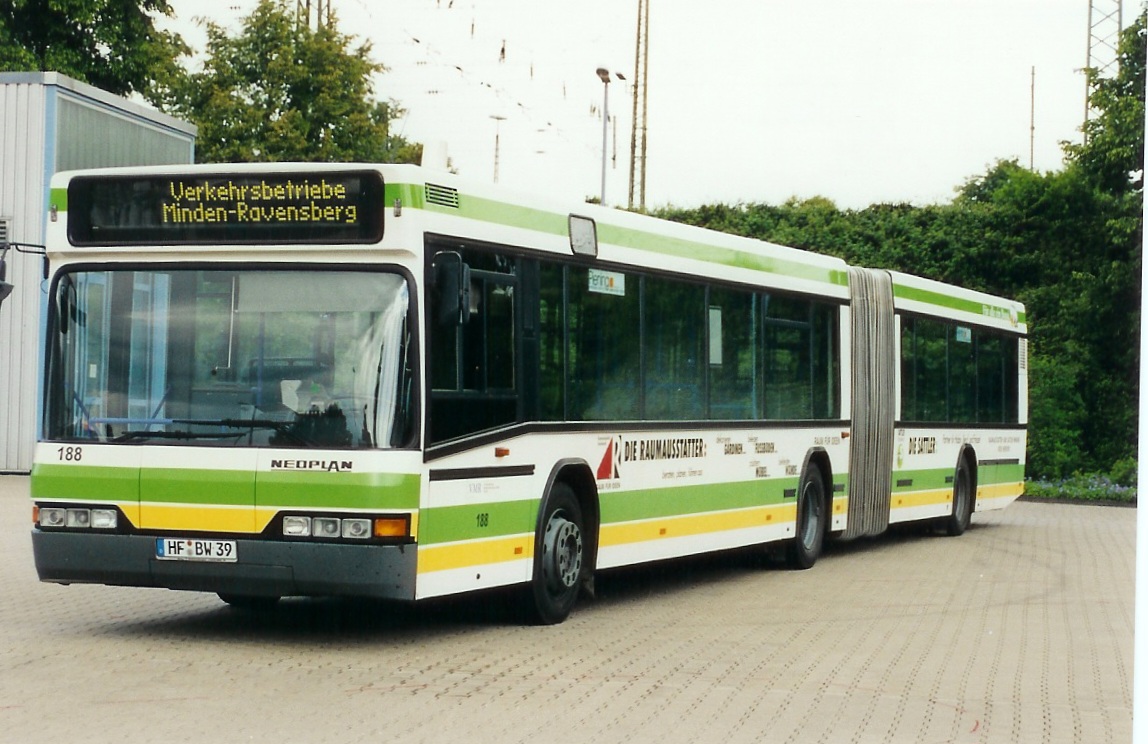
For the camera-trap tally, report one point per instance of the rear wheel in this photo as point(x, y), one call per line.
point(806, 547)
point(559, 558)
point(958, 521)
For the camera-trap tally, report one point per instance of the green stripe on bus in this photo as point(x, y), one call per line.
point(941, 478)
point(929, 297)
point(920, 480)
point(85, 482)
point(378, 491)
point(658, 503)
point(476, 521)
point(405, 194)
point(713, 254)
point(58, 198)
point(200, 487)
point(511, 215)
point(550, 223)
point(1006, 473)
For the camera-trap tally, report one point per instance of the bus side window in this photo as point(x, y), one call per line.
point(552, 343)
point(473, 338)
point(452, 289)
point(603, 315)
point(674, 318)
point(735, 376)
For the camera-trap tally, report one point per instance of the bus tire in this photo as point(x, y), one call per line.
point(806, 546)
point(559, 558)
point(957, 522)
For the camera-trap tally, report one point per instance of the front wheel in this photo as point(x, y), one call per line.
point(962, 515)
point(806, 547)
point(559, 558)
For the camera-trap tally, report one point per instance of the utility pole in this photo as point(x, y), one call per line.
point(497, 125)
point(639, 130)
point(1032, 121)
point(604, 76)
point(1104, 27)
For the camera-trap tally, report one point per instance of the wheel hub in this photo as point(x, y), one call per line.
point(562, 553)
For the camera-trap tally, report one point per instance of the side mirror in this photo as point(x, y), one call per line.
point(452, 283)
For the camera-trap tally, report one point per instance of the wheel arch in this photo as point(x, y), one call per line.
point(576, 474)
point(818, 457)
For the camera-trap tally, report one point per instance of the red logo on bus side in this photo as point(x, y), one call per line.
point(608, 468)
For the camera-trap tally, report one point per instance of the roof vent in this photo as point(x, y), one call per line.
point(443, 196)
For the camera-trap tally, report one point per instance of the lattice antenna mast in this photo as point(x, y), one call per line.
point(639, 130)
point(320, 8)
point(1104, 27)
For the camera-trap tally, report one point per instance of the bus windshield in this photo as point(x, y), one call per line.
point(230, 357)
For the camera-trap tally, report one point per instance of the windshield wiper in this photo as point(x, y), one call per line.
point(286, 429)
point(128, 436)
point(283, 428)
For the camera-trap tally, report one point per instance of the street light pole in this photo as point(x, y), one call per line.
point(604, 76)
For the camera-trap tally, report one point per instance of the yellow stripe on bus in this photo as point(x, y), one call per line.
point(945, 495)
point(1001, 490)
point(920, 498)
point(484, 552)
point(199, 518)
point(477, 553)
point(614, 535)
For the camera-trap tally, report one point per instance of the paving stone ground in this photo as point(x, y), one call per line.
point(1018, 631)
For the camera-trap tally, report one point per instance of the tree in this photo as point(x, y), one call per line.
point(281, 91)
point(1112, 154)
point(111, 44)
point(1106, 272)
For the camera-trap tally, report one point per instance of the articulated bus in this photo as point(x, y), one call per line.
point(266, 381)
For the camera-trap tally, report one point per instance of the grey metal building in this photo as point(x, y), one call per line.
point(49, 123)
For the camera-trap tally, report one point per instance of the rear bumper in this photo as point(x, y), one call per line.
point(264, 568)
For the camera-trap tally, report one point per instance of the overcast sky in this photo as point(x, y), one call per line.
point(861, 101)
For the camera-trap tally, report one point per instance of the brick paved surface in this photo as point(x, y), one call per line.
point(1019, 631)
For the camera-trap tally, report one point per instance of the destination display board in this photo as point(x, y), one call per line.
point(226, 208)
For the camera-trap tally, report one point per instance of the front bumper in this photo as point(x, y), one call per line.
point(264, 567)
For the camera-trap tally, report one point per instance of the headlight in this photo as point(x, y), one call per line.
point(79, 518)
point(104, 519)
point(325, 527)
point(364, 528)
point(52, 516)
point(76, 518)
point(357, 529)
point(297, 526)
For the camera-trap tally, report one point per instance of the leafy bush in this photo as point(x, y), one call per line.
point(1124, 471)
point(1080, 487)
point(1056, 418)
